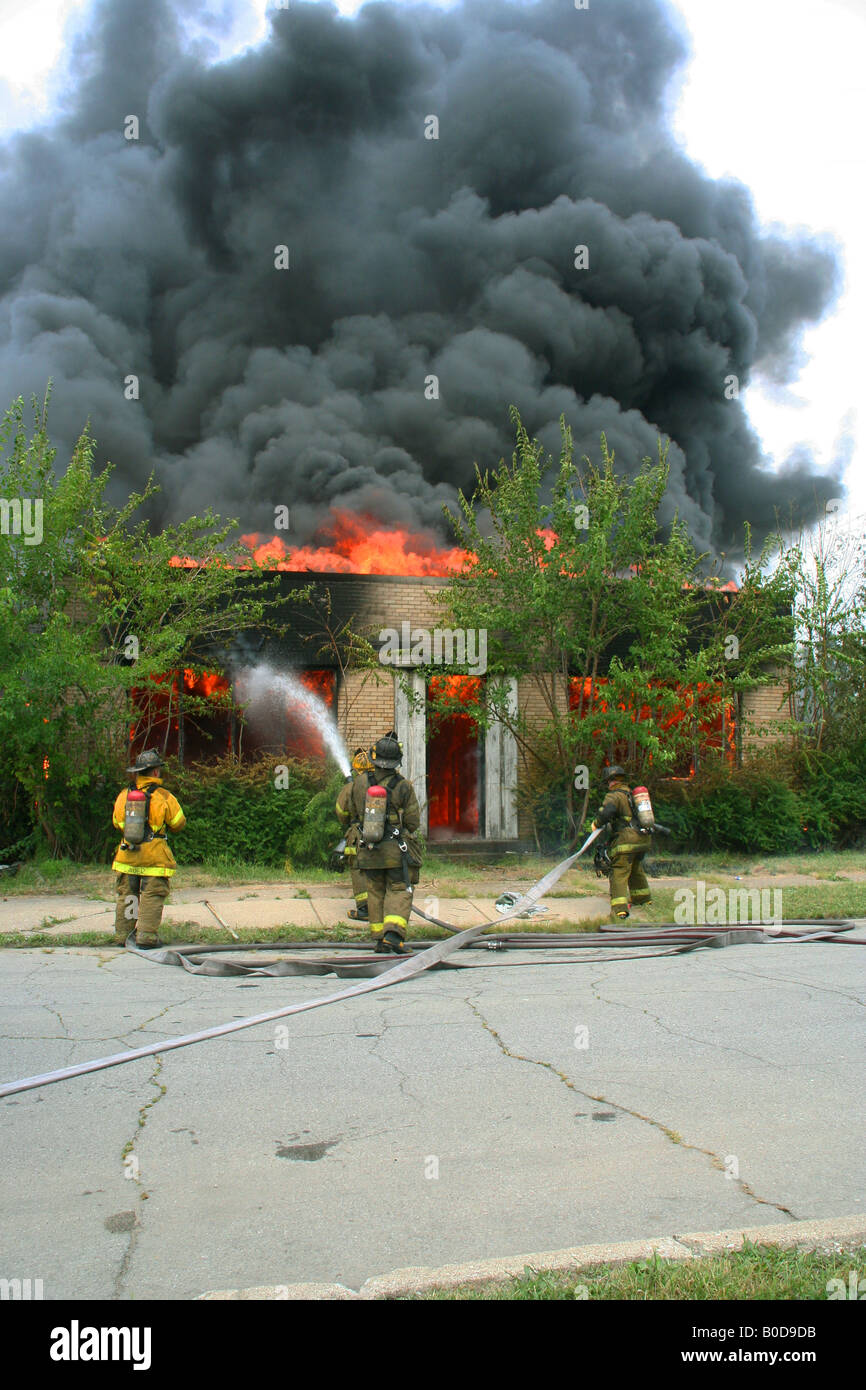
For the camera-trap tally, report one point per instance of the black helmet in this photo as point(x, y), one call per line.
point(614, 771)
point(147, 761)
point(388, 753)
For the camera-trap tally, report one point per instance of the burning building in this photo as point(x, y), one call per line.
point(467, 778)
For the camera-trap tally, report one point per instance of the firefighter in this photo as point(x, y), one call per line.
point(627, 845)
point(143, 861)
point(386, 808)
point(352, 826)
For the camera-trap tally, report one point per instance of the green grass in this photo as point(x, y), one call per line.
point(817, 901)
point(97, 880)
point(193, 933)
point(829, 896)
point(755, 1272)
point(446, 877)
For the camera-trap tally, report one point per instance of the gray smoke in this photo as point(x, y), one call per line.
point(409, 257)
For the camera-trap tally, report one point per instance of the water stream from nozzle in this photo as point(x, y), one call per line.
point(258, 685)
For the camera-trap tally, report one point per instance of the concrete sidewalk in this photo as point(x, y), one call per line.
point(265, 906)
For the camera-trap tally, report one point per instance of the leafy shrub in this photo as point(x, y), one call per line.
point(17, 829)
point(834, 793)
point(236, 811)
point(317, 830)
point(756, 807)
point(549, 816)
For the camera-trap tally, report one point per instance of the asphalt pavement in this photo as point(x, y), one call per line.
point(462, 1115)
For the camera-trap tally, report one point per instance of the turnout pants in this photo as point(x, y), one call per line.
point(140, 899)
point(628, 882)
point(359, 883)
point(389, 902)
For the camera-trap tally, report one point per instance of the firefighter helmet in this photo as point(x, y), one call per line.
point(148, 761)
point(610, 773)
point(361, 762)
point(388, 752)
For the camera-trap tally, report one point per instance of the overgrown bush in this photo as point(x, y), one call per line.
point(17, 829)
point(834, 793)
point(781, 800)
point(318, 830)
point(72, 820)
point(749, 808)
point(234, 811)
point(237, 810)
point(776, 802)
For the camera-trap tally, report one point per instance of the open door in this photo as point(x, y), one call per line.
point(454, 761)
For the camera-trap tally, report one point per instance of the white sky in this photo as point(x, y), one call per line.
point(774, 95)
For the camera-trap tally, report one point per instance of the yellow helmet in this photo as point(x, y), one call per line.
point(361, 762)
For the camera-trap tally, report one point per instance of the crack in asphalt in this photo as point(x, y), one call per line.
point(672, 1135)
point(783, 979)
point(123, 1037)
point(386, 1061)
point(129, 1149)
point(175, 1004)
point(675, 1032)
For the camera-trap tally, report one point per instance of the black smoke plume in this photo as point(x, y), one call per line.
point(409, 258)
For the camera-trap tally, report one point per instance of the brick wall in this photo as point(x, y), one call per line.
point(365, 707)
point(380, 601)
point(534, 705)
point(765, 707)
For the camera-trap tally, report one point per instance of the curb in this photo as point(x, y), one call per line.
point(807, 1235)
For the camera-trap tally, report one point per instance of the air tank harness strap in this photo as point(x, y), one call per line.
point(149, 832)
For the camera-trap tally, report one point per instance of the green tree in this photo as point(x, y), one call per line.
point(828, 677)
point(585, 592)
point(92, 611)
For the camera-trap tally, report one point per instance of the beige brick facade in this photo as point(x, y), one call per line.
point(535, 696)
point(368, 701)
point(365, 707)
point(762, 711)
point(379, 601)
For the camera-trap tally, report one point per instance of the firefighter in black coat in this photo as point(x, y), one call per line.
point(627, 845)
point(389, 863)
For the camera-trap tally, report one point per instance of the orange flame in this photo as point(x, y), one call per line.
point(207, 684)
point(466, 689)
point(714, 720)
point(322, 683)
point(359, 545)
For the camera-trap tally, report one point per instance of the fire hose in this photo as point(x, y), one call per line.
point(663, 939)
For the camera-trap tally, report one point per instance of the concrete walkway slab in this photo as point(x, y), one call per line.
point(74, 913)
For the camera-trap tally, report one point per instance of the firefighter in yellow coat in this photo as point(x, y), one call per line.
point(352, 826)
point(388, 852)
point(143, 861)
point(627, 846)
